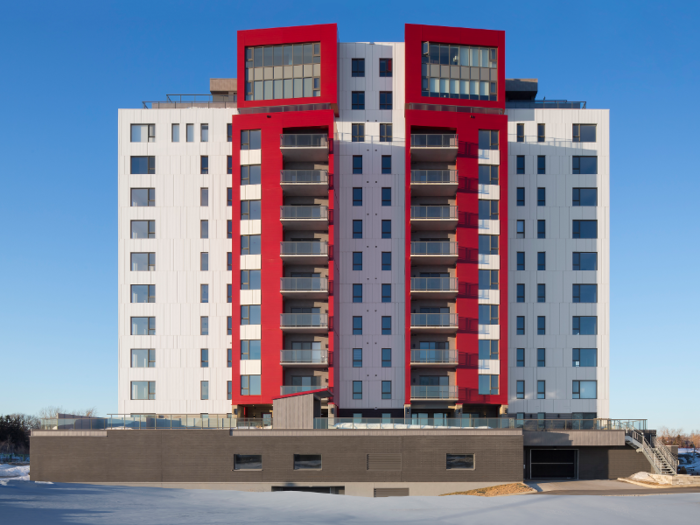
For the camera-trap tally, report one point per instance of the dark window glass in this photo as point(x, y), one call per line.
point(250, 174)
point(386, 100)
point(357, 164)
point(541, 165)
point(386, 293)
point(520, 295)
point(585, 197)
point(386, 196)
point(229, 358)
point(540, 132)
point(520, 357)
point(586, 357)
point(520, 196)
point(385, 132)
point(386, 389)
point(385, 67)
point(488, 174)
point(521, 261)
point(541, 354)
point(585, 293)
point(386, 229)
point(386, 261)
point(520, 325)
point(247, 462)
point(229, 229)
point(520, 389)
point(356, 293)
point(541, 229)
point(488, 139)
point(357, 325)
point(229, 165)
point(488, 244)
point(229, 196)
point(541, 261)
point(357, 389)
point(460, 461)
point(585, 229)
point(585, 261)
point(357, 261)
point(358, 67)
point(541, 196)
point(386, 357)
point(143, 165)
point(541, 325)
point(386, 164)
point(229, 133)
point(358, 100)
point(520, 165)
point(204, 164)
point(357, 229)
point(585, 325)
point(541, 293)
point(307, 461)
point(229, 261)
point(519, 229)
point(520, 132)
point(585, 165)
point(540, 390)
point(357, 196)
point(358, 132)
point(386, 325)
point(357, 357)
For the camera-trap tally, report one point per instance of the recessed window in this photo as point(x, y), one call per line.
point(358, 100)
point(488, 314)
point(488, 384)
point(229, 165)
point(307, 462)
point(204, 358)
point(541, 261)
point(143, 390)
point(520, 296)
point(229, 293)
point(520, 325)
point(250, 349)
point(541, 390)
point(520, 357)
point(143, 293)
point(189, 132)
point(488, 244)
point(385, 67)
point(356, 293)
point(520, 165)
point(585, 165)
point(540, 133)
point(229, 325)
point(541, 229)
point(520, 230)
point(488, 349)
point(386, 164)
point(357, 389)
point(250, 139)
point(229, 133)
point(250, 244)
point(250, 210)
point(386, 261)
point(175, 133)
point(143, 358)
point(203, 164)
point(386, 100)
point(541, 358)
point(357, 196)
point(143, 133)
point(488, 139)
point(204, 390)
point(386, 196)
point(357, 164)
point(541, 293)
point(143, 326)
point(585, 197)
point(520, 132)
point(357, 229)
point(358, 133)
point(229, 229)
point(204, 133)
point(541, 196)
point(520, 261)
point(357, 357)
point(585, 293)
point(541, 325)
point(204, 325)
point(250, 174)
point(204, 261)
point(459, 462)
point(584, 389)
point(386, 132)
point(488, 210)
point(585, 261)
point(143, 197)
point(541, 165)
point(386, 389)
point(247, 462)
point(250, 279)
point(585, 325)
point(386, 229)
point(358, 67)
point(488, 174)
point(520, 389)
point(229, 357)
point(143, 262)
point(357, 325)
point(204, 196)
point(386, 357)
point(386, 293)
point(250, 314)
point(229, 261)
point(357, 261)
point(250, 385)
point(584, 133)
point(520, 196)
point(204, 229)
point(585, 229)
point(584, 357)
point(143, 165)
point(488, 279)
point(386, 325)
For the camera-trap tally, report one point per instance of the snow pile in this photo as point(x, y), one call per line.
point(14, 473)
point(642, 476)
point(690, 459)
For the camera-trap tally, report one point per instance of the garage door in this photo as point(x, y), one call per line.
point(561, 464)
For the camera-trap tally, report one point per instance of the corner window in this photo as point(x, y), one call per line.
point(584, 133)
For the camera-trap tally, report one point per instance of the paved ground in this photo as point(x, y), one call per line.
point(601, 487)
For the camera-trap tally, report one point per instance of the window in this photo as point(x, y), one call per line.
point(204, 325)
point(386, 196)
point(540, 390)
point(459, 462)
point(386, 229)
point(229, 389)
point(585, 229)
point(175, 133)
point(520, 132)
point(541, 196)
point(585, 165)
point(386, 357)
point(357, 196)
point(541, 229)
point(386, 261)
point(541, 361)
point(386, 293)
point(520, 230)
point(204, 133)
point(204, 358)
point(143, 326)
point(584, 389)
point(305, 57)
point(520, 261)
point(357, 164)
point(204, 164)
point(204, 261)
point(386, 389)
point(358, 100)
point(143, 390)
point(250, 279)
point(229, 229)
point(229, 166)
point(307, 462)
point(229, 357)
point(358, 67)
point(585, 293)
point(250, 174)
point(143, 293)
point(357, 325)
point(250, 349)
point(357, 261)
point(143, 358)
point(386, 325)
point(541, 325)
point(520, 357)
point(143, 262)
point(357, 389)
point(229, 133)
point(520, 293)
point(358, 133)
point(520, 165)
point(488, 210)
point(585, 261)
point(143, 197)
point(250, 385)
point(488, 384)
point(250, 210)
point(585, 197)
point(250, 244)
point(488, 139)
point(229, 196)
point(229, 325)
point(488, 349)
point(204, 229)
point(385, 100)
point(386, 164)
point(584, 133)
point(584, 357)
point(386, 132)
point(143, 165)
point(250, 314)
point(488, 244)
point(541, 293)
point(189, 132)
point(250, 139)
point(247, 462)
point(385, 68)
point(520, 196)
point(520, 389)
point(585, 325)
point(541, 261)
point(541, 165)
point(488, 174)
point(488, 279)
point(229, 293)
point(204, 196)
point(356, 293)
point(438, 57)
point(357, 357)
point(204, 390)
point(357, 229)
point(229, 261)
point(488, 314)
point(520, 325)
point(540, 132)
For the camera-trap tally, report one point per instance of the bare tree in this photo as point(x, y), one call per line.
point(51, 412)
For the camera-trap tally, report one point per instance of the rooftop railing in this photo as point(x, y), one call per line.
point(193, 100)
point(433, 176)
point(304, 177)
point(433, 141)
point(154, 422)
point(303, 248)
point(581, 424)
point(442, 423)
point(434, 248)
point(545, 104)
point(434, 212)
point(304, 140)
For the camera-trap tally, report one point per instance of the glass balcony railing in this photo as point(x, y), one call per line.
point(434, 357)
point(304, 212)
point(155, 422)
point(433, 141)
point(434, 284)
point(304, 177)
point(414, 423)
point(304, 320)
point(308, 248)
point(434, 320)
point(433, 176)
point(297, 389)
point(303, 284)
point(434, 392)
point(434, 212)
point(300, 357)
point(305, 140)
point(434, 248)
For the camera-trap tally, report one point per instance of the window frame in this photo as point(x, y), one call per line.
point(386, 101)
point(357, 67)
point(385, 71)
point(357, 101)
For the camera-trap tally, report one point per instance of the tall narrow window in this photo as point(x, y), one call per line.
point(204, 358)
point(541, 293)
point(204, 390)
point(357, 389)
point(540, 132)
point(204, 164)
point(520, 165)
point(520, 230)
point(203, 293)
point(229, 261)
point(520, 131)
point(386, 261)
point(386, 293)
point(540, 390)
point(204, 261)
point(520, 325)
point(386, 196)
point(520, 389)
point(357, 325)
point(541, 196)
point(520, 196)
point(204, 325)
point(541, 229)
point(229, 165)
point(386, 389)
point(204, 196)
point(229, 197)
point(541, 261)
point(356, 293)
point(357, 229)
point(386, 164)
point(175, 133)
point(520, 357)
point(357, 196)
point(541, 165)
point(229, 132)
point(541, 358)
point(229, 358)
point(357, 164)
point(386, 357)
point(204, 229)
point(520, 297)
point(358, 133)
point(386, 229)
point(357, 261)
point(358, 100)
point(386, 132)
point(520, 263)
point(357, 357)
point(204, 133)
point(541, 325)
point(386, 325)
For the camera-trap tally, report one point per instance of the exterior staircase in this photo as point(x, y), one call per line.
point(658, 454)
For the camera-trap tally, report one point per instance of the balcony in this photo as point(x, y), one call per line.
point(433, 148)
point(304, 358)
point(434, 182)
point(304, 323)
point(434, 392)
point(314, 253)
point(434, 358)
point(434, 323)
point(297, 389)
point(304, 182)
point(434, 287)
point(306, 147)
point(311, 217)
point(434, 217)
point(434, 252)
point(304, 287)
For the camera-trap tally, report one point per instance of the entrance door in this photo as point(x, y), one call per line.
point(559, 464)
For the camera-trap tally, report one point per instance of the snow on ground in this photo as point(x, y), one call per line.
point(15, 472)
point(32, 503)
point(690, 459)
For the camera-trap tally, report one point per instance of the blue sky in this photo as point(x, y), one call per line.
point(67, 66)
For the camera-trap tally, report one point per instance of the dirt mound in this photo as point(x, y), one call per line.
point(497, 490)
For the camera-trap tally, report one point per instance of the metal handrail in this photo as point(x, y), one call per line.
point(291, 320)
point(154, 422)
point(426, 356)
point(304, 140)
point(434, 392)
point(434, 284)
point(303, 248)
point(311, 212)
point(304, 356)
point(303, 177)
point(433, 176)
point(434, 248)
point(545, 104)
point(665, 453)
point(437, 320)
point(412, 423)
point(188, 100)
point(434, 141)
point(303, 284)
point(434, 212)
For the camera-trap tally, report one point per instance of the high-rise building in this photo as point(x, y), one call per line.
point(356, 219)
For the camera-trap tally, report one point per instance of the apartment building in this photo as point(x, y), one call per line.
point(355, 220)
